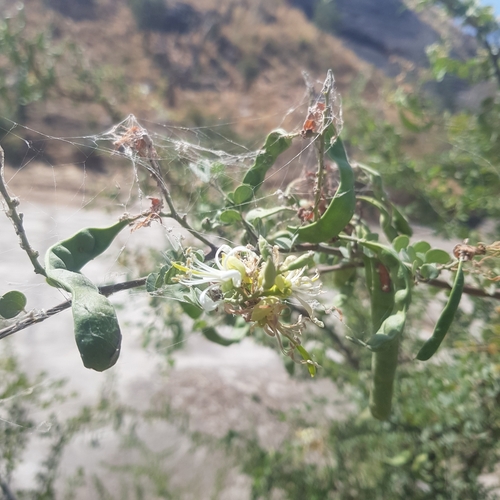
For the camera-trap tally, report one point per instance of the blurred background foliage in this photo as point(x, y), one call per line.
point(431, 131)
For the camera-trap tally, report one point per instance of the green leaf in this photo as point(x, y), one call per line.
point(242, 194)
point(169, 275)
point(437, 256)
point(151, 282)
point(193, 311)
point(412, 255)
point(401, 242)
point(340, 278)
point(421, 246)
point(211, 334)
point(11, 304)
point(412, 126)
point(283, 242)
point(230, 216)
point(419, 461)
point(429, 271)
point(160, 279)
point(416, 264)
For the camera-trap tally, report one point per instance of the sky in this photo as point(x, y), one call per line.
point(494, 3)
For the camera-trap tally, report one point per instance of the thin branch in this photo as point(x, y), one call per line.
point(327, 88)
point(182, 219)
point(37, 317)
point(351, 358)
point(318, 188)
point(155, 171)
point(469, 290)
point(17, 220)
point(108, 290)
point(339, 267)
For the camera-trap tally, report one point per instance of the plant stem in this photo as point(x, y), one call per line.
point(34, 317)
point(155, 171)
point(17, 220)
point(327, 119)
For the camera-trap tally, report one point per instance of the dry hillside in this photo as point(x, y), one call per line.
point(235, 64)
point(238, 61)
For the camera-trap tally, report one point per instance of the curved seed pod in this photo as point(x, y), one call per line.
point(384, 365)
point(385, 218)
point(400, 222)
point(341, 208)
point(445, 319)
point(276, 143)
point(97, 332)
point(390, 300)
point(392, 216)
point(393, 324)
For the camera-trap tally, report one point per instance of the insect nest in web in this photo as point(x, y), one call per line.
point(325, 110)
point(152, 214)
point(131, 138)
point(465, 251)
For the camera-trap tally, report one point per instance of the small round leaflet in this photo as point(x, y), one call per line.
point(11, 304)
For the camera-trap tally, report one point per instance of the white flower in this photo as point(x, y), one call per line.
point(199, 273)
point(206, 300)
point(304, 289)
point(230, 273)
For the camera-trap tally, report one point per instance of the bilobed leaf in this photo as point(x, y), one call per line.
point(401, 242)
point(229, 216)
point(429, 271)
point(421, 246)
point(437, 256)
point(11, 304)
point(242, 194)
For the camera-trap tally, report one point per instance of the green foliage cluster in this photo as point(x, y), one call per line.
point(437, 445)
point(35, 66)
point(30, 72)
point(454, 182)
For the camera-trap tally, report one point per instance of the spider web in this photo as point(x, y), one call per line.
point(68, 183)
